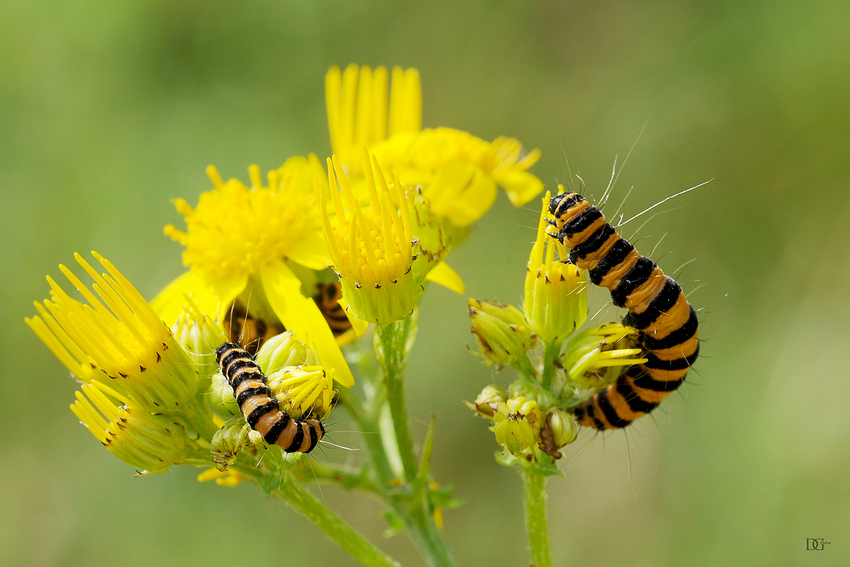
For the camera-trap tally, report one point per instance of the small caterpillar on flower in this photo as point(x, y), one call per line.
point(251, 331)
point(248, 331)
point(327, 299)
point(657, 308)
point(260, 409)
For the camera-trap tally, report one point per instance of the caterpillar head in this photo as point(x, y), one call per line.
point(565, 199)
point(219, 352)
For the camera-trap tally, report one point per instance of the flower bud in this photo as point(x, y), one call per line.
point(227, 442)
point(221, 398)
point(487, 402)
point(559, 429)
point(197, 334)
point(292, 348)
point(555, 291)
point(501, 331)
point(517, 424)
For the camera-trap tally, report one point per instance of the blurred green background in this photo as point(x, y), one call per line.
point(108, 110)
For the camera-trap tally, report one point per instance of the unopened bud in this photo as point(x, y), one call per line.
point(517, 424)
point(487, 402)
point(227, 442)
point(291, 348)
point(501, 331)
point(221, 397)
point(559, 429)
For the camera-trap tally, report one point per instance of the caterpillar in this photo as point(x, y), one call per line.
point(260, 409)
point(657, 308)
point(248, 331)
point(327, 299)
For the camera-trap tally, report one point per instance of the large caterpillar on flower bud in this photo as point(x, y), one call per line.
point(260, 409)
point(657, 308)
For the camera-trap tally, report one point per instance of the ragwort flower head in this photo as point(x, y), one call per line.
point(116, 339)
point(251, 243)
point(372, 246)
point(555, 291)
point(458, 172)
point(240, 230)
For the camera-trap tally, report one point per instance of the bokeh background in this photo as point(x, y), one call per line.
point(108, 110)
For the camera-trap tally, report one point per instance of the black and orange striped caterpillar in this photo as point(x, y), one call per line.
point(657, 308)
point(260, 409)
point(327, 299)
point(251, 331)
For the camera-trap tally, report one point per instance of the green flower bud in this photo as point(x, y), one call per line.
point(501, 331)
point(517, 424)
point(488, 400)
point(559, 429)
point(196, 334)
point(227, 442)
point(221, 397)
point(291, 348)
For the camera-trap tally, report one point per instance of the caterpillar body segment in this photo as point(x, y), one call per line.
point(657, 307)
point(327, 299)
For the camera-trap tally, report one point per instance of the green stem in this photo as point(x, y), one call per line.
point(428, 538)
point(525, 368)
point(349, 478)
point(535, 517)
point(367, 421)
point(303, 501)
point(550, 354)
point(391, 345)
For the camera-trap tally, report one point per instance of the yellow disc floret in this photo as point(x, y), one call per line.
point(241, 229)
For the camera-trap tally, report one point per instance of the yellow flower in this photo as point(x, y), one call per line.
point(116, 340)
point(228, 477)
point(457, 171)
point(372, 247)
point(151, 443)
point(555, 291)
point(359, 114)
point(253, 243)
point(594, 353)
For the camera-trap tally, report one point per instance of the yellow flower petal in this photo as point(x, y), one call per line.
point(210, 297)
point(520, 186)
point(358, 325)
point(444, 275)
point(283, 291)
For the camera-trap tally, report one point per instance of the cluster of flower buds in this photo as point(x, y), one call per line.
point(535, 419)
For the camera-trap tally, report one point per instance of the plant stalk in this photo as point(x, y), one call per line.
point(535, 517)
point(303, 501)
